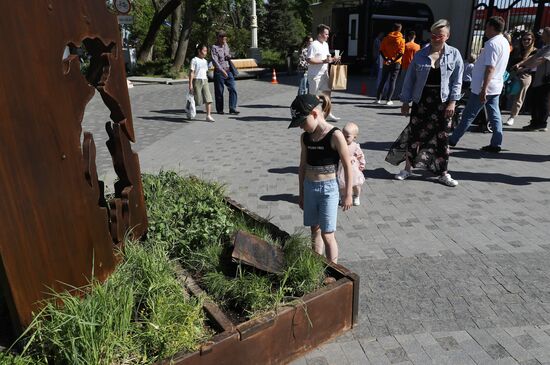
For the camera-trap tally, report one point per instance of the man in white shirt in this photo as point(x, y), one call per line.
point(487, 83)
point(318, 57)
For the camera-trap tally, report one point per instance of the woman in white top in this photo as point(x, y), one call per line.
point(198, 81)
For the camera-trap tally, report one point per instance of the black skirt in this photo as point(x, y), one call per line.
point(425, 140)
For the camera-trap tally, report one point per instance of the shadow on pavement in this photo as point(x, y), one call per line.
point(497, 177)
point(471, 153)
point(396, 113)
point(280, 197)
point(168, 119)
point(170, 111)
point(376, 146)
point(350, 98)
point(284, 170)
point(379, 173)
point(375, 106)
point(264, 106)
point(262, 118)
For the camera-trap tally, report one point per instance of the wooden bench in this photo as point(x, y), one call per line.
point(247, 67)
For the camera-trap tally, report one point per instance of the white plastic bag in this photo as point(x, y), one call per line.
point(190, 106)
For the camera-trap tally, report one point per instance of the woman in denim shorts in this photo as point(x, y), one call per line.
point(323, 147)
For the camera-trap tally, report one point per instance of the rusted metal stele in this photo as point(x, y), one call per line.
point(56, 226)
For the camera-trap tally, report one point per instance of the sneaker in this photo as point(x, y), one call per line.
point(509, 122)
point(378, 101)
point(234, 112)
point(356, 201)
point(448, 180)
point(389, 102)
point(221, 113)
point(493, 149)
point(534, 128)
point(402, 175)
point(332, 118)
point(209, 118)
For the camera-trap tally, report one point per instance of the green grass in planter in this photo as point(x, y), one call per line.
point(304, 269)
point(9, 359)
point(139, 315)
point(193, 217)
point(185, 213)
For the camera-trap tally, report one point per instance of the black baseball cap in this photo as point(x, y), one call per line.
point(301, 107)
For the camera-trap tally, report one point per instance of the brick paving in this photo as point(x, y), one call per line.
point(448, 275)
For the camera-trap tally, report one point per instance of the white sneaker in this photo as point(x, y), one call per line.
point(356, 201)
point(209, 118)
point(332, 118)
point(378, 101)
point(448, 180)
point(402, 175)
point(389, 102)
point(510, 121)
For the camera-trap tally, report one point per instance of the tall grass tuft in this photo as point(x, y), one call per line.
point(139, 315)
point(304, 269)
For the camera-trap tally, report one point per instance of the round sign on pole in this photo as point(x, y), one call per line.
point(122, 6)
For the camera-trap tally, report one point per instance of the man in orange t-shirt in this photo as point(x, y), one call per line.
point(410, 49)
point(391, 50)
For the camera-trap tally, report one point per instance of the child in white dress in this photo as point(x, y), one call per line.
point(357, 158)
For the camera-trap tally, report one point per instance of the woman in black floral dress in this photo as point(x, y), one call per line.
point(433, 82)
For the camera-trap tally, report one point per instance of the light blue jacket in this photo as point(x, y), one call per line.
point(451, 75)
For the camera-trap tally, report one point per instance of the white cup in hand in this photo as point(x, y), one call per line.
point(336, 53)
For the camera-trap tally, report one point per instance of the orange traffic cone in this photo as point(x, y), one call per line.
point(274, 78)
point(363, 88)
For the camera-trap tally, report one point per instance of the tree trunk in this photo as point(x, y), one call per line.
point(175, 30)
point(188, 16)
point(146, 50)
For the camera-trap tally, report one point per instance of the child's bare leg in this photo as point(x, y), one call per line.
point(356, 190)
point(331, 246)
point(208, 108)
point(316, 239)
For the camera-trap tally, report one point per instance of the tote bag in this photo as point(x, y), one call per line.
point(190, 107)
point(338, 77)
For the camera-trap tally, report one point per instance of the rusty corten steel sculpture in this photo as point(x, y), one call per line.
point(56, 226)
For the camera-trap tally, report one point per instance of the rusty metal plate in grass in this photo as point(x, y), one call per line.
point(252, 250)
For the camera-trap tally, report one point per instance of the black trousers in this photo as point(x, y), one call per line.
point(541, 105)
point(391, 71)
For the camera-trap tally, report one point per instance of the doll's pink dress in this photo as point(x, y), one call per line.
point(357, 166)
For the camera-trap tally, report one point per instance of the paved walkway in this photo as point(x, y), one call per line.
point(448, 275)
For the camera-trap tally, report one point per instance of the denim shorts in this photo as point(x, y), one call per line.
point(321, 204)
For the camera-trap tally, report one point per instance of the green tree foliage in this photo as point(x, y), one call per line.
point(143, 11)
point(284, 26)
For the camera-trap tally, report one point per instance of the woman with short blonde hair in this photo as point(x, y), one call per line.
point(432, 83)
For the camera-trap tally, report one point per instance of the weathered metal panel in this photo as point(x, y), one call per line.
point(56, 226)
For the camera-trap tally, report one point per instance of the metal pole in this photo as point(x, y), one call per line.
point(254, 26)
point(254, 51)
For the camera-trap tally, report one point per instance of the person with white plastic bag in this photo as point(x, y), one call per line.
point(199, 92)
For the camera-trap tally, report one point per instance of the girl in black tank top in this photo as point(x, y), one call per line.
point(323, 147)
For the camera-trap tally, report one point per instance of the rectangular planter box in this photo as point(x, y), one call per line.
point(279, 336)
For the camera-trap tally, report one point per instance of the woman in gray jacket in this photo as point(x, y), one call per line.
point(433, 82)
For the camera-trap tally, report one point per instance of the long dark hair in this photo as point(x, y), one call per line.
point(305, 42)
